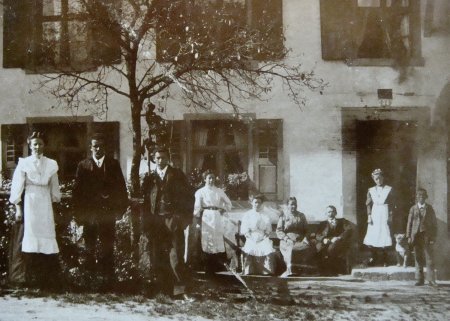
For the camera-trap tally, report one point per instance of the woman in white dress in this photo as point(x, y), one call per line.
point(211, 203)
point(379, 217)
point(258, 248)
point(35, 183)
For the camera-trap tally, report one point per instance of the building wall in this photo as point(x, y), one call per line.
point(313, 159)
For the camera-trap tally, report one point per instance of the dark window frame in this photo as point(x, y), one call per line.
point(23, 39)
point(338, 33)
point(257, 156)
point(167, 40)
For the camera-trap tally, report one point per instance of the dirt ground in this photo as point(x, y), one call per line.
point(333, 299)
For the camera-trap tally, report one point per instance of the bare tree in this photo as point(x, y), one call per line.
point(208, 49)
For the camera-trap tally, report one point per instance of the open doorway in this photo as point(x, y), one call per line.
point(391, 146)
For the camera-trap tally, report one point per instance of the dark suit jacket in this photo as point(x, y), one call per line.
point(343, 230)
point(412, 228)
point(177, 194)
point(95, 189)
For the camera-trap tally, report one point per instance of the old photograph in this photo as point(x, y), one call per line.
point(225, 160)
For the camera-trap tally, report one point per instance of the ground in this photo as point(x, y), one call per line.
point(307, 298)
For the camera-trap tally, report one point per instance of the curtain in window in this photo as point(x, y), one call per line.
point(240, 138)
point(201, 136)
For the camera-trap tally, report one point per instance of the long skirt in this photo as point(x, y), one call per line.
point(16, 258)
point(378, 233)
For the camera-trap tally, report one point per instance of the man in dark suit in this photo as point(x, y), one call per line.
point(100, 197)
point(168, 210)
point(332, 242)
point(421, 233)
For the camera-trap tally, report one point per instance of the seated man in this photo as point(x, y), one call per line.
point(332, 242)
point(291, 230)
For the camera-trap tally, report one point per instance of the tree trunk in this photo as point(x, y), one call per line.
point(136, 108)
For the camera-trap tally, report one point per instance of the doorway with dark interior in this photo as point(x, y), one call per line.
point(391, 146)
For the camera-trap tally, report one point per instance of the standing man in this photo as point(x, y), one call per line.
point(100, 197)
point(168, 208)
point(421, 233)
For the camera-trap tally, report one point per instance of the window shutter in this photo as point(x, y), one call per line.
point(178, 144)
point(336, 22)
point(105, 34)
point(268, 157)
point(17, 23)
point(267, 19)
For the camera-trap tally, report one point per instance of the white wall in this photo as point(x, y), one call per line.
point(312, 135)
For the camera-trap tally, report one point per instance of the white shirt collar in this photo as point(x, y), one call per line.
point(162, 172)
point(421, 205)
point(98, 162)
point(36, 157)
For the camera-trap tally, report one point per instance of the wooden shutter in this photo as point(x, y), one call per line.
point(17, 23)
point(178, 144)
point(266, 16)
point(268, 140)
point(336, 28)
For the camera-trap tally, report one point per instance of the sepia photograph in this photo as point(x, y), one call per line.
point(225, 160)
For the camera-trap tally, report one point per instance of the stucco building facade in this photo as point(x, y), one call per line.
point(322, 153)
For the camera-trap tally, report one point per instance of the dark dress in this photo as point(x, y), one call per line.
point(292, 230)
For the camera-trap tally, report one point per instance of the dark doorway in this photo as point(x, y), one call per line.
point(391, 146)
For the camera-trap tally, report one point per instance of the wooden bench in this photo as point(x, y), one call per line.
point(302, 262)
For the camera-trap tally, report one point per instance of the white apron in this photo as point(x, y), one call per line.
point(40, 182)
point(378, 233)
point(213, 226)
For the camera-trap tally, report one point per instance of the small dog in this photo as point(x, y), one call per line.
point(402, 249)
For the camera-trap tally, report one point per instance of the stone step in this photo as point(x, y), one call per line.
point(385, 273)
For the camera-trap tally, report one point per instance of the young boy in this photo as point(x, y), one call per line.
point(421, 234)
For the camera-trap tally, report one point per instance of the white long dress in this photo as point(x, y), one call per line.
point(256, 226)
point(39, 179)
point(378, 233)
point(213, 227)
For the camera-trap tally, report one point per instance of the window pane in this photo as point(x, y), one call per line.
point(51, 7)
point(212, 138)
point(204, 161)
point(78, 42)
point(233, 163)
point(368, 3)
point(51, 46)
point(76, 6)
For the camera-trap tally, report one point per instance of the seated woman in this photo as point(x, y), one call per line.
point(258, 249)
point(211, 203)
point(291, 230)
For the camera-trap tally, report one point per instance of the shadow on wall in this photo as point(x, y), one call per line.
point(442, 251)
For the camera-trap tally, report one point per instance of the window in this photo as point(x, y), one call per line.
point(228, 146)
point(52, 35)
point(372, 32)
point(202, 30)
point(66, 141)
